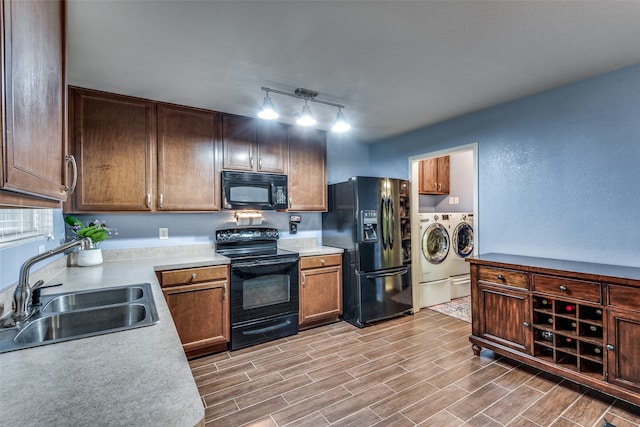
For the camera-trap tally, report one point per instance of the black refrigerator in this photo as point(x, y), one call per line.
point(363, 218)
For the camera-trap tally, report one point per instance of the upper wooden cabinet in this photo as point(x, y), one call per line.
point(307, 170)
point(434, 176)
point(33, 100)
point(188, 178)
point(254, 145)
point(120, 142)
point(113, 139)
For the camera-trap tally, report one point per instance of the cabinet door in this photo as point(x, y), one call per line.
point(307, 170)
point(320, 294)
point(33, 89)
point(114, 139)
point(272, 147)
point(428, 176)
point(238, 143)
point(623, 348)
point(188, 178)
point(200, 313)
point(504, 317)
point(443, 175)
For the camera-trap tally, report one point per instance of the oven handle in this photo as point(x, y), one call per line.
point(268, 328)
point(397, 272)
point(255, 263)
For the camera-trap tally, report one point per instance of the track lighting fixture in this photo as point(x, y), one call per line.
point(306, 118)
point(269, 112)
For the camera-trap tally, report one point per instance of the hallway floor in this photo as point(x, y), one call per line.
point(413, 370)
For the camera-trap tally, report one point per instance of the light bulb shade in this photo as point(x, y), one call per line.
point(306, 118)
point(268, 111)
point(340, 125)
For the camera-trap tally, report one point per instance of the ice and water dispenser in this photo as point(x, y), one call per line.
point(368, 226)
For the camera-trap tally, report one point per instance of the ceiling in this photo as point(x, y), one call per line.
point(395, 65)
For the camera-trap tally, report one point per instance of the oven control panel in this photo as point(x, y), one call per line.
point(246, 234)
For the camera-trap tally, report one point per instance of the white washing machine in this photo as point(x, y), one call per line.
point(461, 248)
point(435, 248)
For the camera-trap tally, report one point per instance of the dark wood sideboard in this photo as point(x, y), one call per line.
point(577, 320)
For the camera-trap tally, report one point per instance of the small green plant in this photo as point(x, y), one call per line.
point(96, 230)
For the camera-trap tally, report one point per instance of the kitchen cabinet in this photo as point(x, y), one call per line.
point(576, 320)
point(199, 305)
point(307, 170)
point(254, 145)
point(320, 290)
point(113, 139)
point(138, 155)
point(434, 176)
point(188, 145)
point(33, 103)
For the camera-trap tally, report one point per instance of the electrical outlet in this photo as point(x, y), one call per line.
point(451, 200)
point(41, 249)
point(456, 200)
point(163, 233)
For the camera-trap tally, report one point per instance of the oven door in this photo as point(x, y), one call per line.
point(263, 288)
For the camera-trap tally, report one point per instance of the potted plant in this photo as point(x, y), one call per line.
point(95, 230)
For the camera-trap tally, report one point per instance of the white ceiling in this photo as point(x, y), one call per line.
point(395, 65)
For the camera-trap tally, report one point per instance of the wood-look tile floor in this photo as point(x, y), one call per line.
point(413, 370)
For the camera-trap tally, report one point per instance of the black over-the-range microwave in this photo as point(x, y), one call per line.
point(247, 190)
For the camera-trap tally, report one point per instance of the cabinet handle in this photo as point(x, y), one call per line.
point(439, 186)
point(304, 279)
point(251, 162)
point(161, 200)
point(563, 288)
point(290, 202)
point(70, 159)
point(224, 289)
point(259, 164)
point(147, 200)
point(193, 276)
point(500, 277)
point(435, 186)
point(526, 324)
point(322, 261)
point(610, 347)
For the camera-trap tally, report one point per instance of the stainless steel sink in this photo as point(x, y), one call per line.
point(74, 315)
point(89, 299)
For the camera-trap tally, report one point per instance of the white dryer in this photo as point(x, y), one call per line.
point(435, 248)
point(461, 248)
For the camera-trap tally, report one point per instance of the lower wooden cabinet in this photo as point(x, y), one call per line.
point(320, 290)
point(199, 304)
point(576, 320)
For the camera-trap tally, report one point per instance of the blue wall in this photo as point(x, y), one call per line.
point(559, 172)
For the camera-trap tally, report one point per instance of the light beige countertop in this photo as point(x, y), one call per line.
point(137, 377)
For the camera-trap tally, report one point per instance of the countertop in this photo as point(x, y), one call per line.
point(594, 271)
point(137, 377)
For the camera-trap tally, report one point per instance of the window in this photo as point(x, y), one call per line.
point(19, 226)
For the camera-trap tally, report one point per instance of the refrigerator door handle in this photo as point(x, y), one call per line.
point(398, 272)
point(383, 222)
point(392, 228)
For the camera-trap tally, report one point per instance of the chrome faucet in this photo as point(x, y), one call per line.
point(22, 296)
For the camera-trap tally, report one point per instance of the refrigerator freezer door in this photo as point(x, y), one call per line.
point(382, 296)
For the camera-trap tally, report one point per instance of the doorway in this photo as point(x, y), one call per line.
point(461, 198)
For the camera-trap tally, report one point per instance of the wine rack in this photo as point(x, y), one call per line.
point(569, 334)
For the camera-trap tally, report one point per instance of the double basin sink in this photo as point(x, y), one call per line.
point(72, 315)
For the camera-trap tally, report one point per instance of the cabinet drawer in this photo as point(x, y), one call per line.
point(500, 276)
point(577, 289)
point(193, 275)
point(624, 297)
point(320, 261)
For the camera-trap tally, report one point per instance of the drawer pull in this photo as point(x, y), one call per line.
point(322, 261)
point(563, 288)
point(500, 277)
point(526, 324)
point(610, 347)
point(193, 276)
